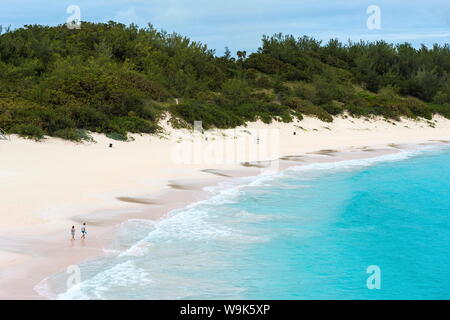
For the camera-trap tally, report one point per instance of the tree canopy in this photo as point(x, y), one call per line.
point(117, 79)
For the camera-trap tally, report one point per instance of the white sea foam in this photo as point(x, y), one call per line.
point(122, 275)
point(198, 223)
point(43, 289)
point(137, 250)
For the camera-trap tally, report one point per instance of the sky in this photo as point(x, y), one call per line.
point(240, 24)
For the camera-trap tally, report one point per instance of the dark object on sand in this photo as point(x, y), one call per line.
point(110, 145)
point(295, 133)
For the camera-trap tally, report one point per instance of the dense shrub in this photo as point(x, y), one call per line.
point(28, 130)
point(123, 125)
point(72, 134)
point(117, 136)
point(334, 108)
point(210, 115)
point(307, 108)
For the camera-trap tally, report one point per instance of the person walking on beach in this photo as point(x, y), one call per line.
point(72, 231)
point(83, 231)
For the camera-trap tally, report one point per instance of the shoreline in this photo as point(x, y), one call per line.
point(38, 254)
point(379, 154)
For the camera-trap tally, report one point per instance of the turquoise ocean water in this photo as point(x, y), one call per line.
point(306, 233)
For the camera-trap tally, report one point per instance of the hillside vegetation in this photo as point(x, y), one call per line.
point(117, 79)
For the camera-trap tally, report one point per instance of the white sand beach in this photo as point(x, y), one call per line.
point(48, 186)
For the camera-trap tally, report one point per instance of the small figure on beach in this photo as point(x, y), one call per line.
point(72, 231)
point(83, 231)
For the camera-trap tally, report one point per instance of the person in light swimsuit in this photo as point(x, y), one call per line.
point(83, 231)
point(72, 231)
